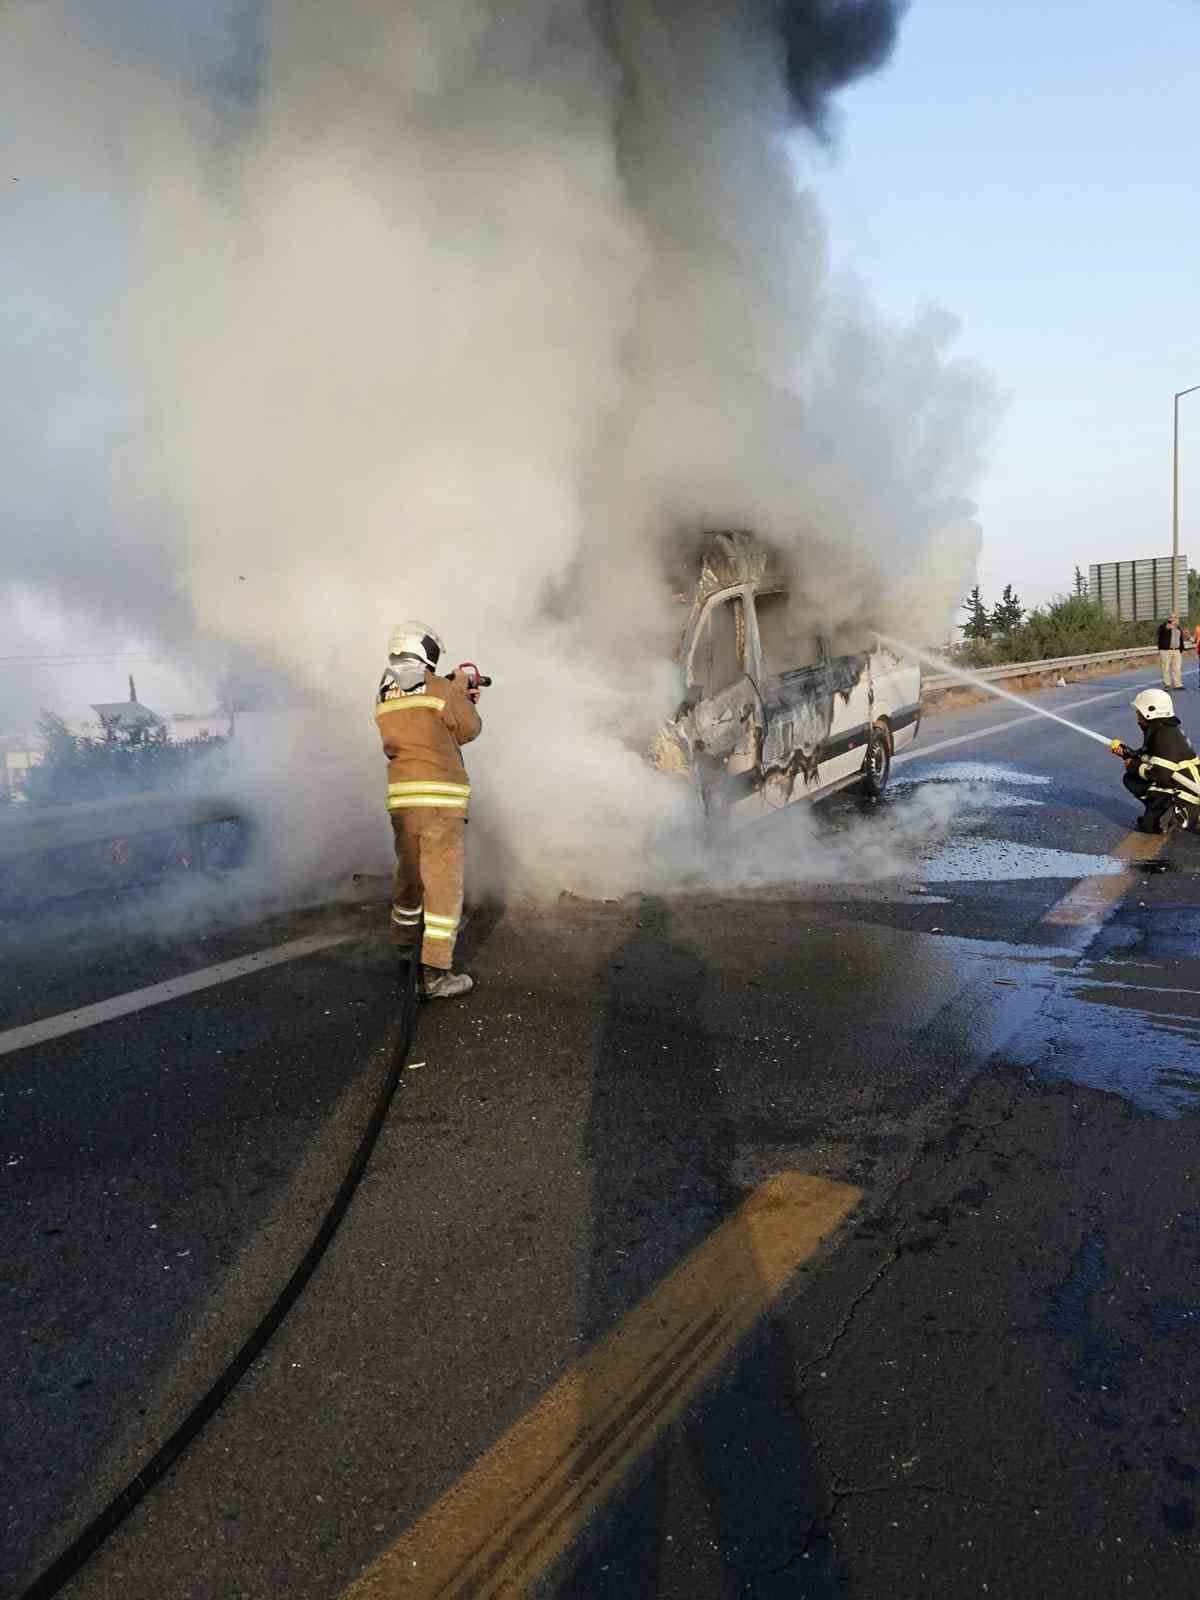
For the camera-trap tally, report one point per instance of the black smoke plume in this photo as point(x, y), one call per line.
point(829, 43)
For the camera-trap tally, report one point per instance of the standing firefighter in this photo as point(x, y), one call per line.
point(423, 719)
point(1165, 773)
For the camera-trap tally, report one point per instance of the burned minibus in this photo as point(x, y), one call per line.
point(773, 713)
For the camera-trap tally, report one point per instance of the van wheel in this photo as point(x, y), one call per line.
point(877, 766)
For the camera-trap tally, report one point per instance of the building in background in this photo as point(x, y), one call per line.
point(18, 752)
point(129, 718)
point(129, 721)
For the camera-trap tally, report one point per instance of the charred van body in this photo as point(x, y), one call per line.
point(773, 711)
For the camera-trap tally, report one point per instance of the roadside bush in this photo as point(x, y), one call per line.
point(80, 766)
point(1072, 625)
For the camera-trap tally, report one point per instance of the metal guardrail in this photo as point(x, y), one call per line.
point(1033, 669)
point(33, 830)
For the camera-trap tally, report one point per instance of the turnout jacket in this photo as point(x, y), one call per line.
point(1167, 761)
point(422, 729)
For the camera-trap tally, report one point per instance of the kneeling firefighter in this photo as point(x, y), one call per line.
point(1165, 773)
point(423, 719)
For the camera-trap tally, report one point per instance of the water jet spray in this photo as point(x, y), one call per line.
point(978, 682)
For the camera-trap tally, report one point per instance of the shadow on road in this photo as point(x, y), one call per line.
point(731, 1497)
point(163, 1178)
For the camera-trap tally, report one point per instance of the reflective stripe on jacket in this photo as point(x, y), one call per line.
point(1168, 762)
point(421, 732)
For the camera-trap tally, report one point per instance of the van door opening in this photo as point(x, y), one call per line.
point(727, 717)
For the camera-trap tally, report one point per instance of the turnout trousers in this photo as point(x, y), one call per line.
point(1157, 802)
point(1171, 662)
point(428, 891)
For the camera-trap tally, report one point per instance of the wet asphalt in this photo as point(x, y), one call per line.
point(985, 1385)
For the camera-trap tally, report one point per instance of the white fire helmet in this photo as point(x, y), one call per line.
point(1153, 704)
point(416, 639)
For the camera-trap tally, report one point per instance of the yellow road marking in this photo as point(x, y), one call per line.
point(1092, 897)
point(523, 1503)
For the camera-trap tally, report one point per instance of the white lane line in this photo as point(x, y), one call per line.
point(1002, 727)
point(189, 983)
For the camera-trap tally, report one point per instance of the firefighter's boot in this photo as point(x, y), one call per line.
point(439, 985)
point(1175, 819)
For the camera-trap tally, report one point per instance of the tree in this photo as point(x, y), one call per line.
point(82, 766)
point(1081, 584)
point(1008, 613)
point(979, 623)
point(1193, 596)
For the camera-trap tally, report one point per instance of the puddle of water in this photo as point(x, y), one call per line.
point(1100, 1355)
point(1150, 1058)
point(1173, 1316)
point(1011, 983)
point(981, 798)
point(1070, 1302)
point(981, 860)
point(986, 797)
point(1125, 1026)
point(977, 786)
point(980, 772)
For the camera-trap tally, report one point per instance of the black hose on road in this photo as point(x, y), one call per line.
point(71, 1561)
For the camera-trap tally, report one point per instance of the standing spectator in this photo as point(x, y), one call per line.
point(1170, 647)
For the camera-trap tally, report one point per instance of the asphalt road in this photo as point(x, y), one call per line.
point(962, 1012)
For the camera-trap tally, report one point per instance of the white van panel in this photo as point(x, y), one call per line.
point(897, 686)
point(850, 726)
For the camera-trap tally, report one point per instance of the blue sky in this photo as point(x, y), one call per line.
point(1036, 170)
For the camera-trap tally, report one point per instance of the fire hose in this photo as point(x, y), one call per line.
point(76, 1555)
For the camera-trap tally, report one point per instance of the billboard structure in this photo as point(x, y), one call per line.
point(1141, 591)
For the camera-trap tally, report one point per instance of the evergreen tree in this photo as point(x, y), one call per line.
point(1008, 613)
point(1081, 584)
point(979, 623)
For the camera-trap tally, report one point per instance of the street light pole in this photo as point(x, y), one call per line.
point(1175, 477)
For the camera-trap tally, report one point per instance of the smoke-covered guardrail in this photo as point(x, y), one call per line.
point(35, 830)
point(30, 831)
point(938, 686)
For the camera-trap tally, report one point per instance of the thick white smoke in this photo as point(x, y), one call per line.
point(466, 311)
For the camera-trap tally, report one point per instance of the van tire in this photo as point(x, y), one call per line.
point(877, 764)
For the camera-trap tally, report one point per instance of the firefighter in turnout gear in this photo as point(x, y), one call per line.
point(423, 719)
point(1165, 773)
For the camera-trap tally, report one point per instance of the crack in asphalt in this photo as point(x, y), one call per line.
point(955, 1146)
point(821, 1528)
point(897, 1250)
point(852, 1311)
point(851, 1490)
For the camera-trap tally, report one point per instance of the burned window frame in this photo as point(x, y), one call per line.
point(702, 678)
point(817, 645)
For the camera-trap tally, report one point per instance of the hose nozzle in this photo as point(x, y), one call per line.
point(1116, 746)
